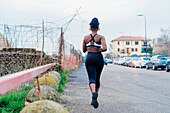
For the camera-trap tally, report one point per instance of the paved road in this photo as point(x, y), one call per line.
point(123, 90)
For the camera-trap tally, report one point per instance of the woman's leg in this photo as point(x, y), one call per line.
point(91, 70)
point(97, 90)
point(93, 87)
point(99, 68)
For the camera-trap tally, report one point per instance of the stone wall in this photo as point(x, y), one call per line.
point(13, 60)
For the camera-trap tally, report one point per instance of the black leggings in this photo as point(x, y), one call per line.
point(94, 65)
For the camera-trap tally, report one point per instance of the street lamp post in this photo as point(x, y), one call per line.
point(145, 33)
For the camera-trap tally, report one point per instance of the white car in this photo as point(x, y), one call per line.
point(142, 61)
point(116, 61)
point(134, 62)
point(120, 61)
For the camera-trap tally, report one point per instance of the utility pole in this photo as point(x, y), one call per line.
point(60, 49)
point(42, 43)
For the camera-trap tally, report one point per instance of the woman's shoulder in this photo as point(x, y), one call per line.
point(100, 36)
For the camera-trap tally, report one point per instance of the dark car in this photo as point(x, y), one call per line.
point(157, 61)
point(168, 65)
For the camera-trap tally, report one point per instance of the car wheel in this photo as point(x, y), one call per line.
point(167, 70)
point(154, 67)
point(147, 67)
point(140, 66)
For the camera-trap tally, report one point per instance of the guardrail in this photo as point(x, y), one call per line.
point(11, 81)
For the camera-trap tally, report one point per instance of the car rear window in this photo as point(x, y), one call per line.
point(163, 58)
point(146, 58)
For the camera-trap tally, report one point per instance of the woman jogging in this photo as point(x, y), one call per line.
point(94, 61)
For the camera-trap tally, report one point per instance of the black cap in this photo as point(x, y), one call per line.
point(94, 23)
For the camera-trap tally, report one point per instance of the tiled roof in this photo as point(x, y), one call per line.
point(130, 38)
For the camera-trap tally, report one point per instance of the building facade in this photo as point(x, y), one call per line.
point(129, 45)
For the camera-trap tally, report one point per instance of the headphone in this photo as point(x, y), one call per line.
point(98, 28)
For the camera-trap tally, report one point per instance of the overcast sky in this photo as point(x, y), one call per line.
point(115, 16)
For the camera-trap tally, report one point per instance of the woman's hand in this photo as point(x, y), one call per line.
point(104, 46)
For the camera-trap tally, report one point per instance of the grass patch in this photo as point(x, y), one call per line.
point(63, 81)
point(14, 101)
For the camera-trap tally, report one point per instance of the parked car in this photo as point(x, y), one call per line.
point(120, 61)
point(157, 61)
point(168, 65)
point(109, 61)
point(134, 62)
point(143, 61)
point(105, 62)
point(116, 61)
point(124, 60)
point(127, 62)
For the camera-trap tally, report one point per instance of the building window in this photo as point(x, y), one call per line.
point(131, 43)
point(118, 43)
point(136, 43)
point(127, 43)
point(136, 49)
point(118, 49)
point(132, 49)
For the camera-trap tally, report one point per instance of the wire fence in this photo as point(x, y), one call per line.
point(28, 46)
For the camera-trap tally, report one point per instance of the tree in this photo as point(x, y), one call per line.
point(150, 51)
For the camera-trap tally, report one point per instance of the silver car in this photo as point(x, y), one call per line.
point(142, 61)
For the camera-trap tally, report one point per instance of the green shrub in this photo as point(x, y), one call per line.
point(13, 102)
point(63, 81)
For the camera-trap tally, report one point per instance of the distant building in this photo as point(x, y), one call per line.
point(129, 45)
point(3, 42)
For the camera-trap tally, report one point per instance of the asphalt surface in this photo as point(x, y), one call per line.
point(123, 90)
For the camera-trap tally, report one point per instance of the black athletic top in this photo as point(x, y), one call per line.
point(95, 44)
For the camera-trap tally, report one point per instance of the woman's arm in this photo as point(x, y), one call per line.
point(104, 46)
point(84, 46)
